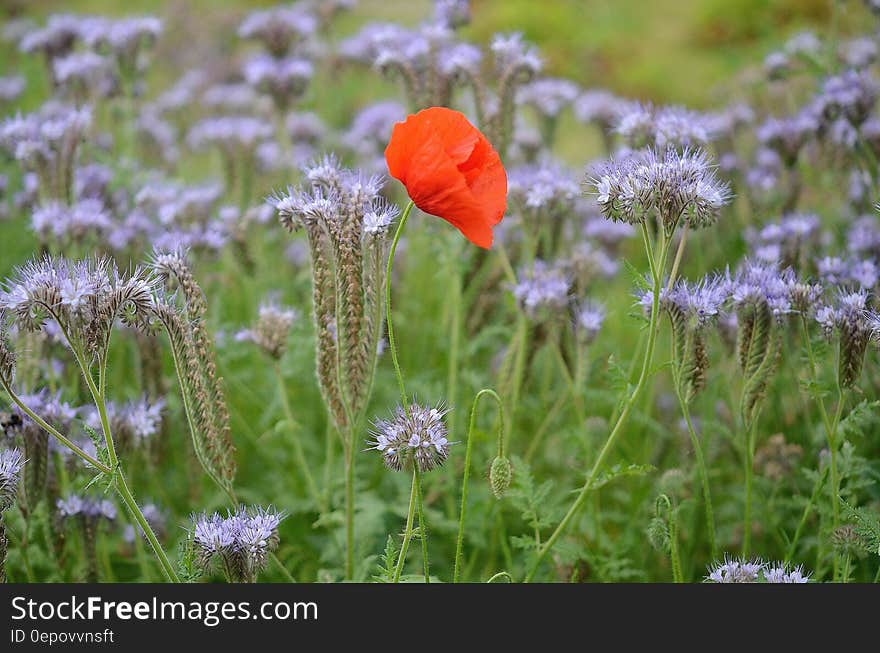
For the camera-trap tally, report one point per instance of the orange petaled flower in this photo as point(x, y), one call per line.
point(450, 170)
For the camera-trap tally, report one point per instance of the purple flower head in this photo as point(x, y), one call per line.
point(55, 39)
point(212, 534)
point(125, 38)
point(787, 241)
point(587, 261)
point(832, 270)
point(87, 507)
point(11, 87)
point(379, 218)
point(58, 222)
point(644, 125)
point(850, 96)
point(417, 435)
point(280, 29)
point(803, 44)
point(543, 189)
point(85, 297)
point(305, 127)
point(863, 237)
point(700, 302)
point(548, 96)
point(46, 142)
point(229, 133)
point(512, 53)
point(777, 65)
point(242, 540)
point(452, 14)
point(84, 74)
point(864, 273)
point(859, 53)
point(780, 572)
point(271, 329)
point(285, 80)
point(728, 120)
point(370, 130)
point(589, 318)
point(366, 44)
point(600, 107)
point(159, 135)
point(674, 185)
point(461, 61)
point(757, 283)
point(543, 291)
point(787, 136)
point(735, 571)
point(236, 98)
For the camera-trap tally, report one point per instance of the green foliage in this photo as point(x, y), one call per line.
point(867, 525)
point(864, 418)
point(387, 562)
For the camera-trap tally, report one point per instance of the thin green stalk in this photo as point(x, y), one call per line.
point(808, 344)
point(846, 568)
point(349, 508)
point(570, 381)
point(423, 533)
point(407, 533)
point(392, 343)
point(51, 430)
point(454, 341)
point(416, 492)
point(835, 475)
point(830, 433)
point(131, 504)
point(703, 472)
point(120, 483)
point(328, 462)
point(284, 572)
point(817, 488)
point(515, 383)
point(298, 453)
point(656, 272)
point(538, 438)
point(747, 469)
point(674, 553)
point(679, 253)
point(467, 468)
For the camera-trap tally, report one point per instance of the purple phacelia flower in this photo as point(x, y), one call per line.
point(416, 435)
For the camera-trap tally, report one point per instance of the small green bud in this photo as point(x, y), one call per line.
point(500, 474)
point(658, 534)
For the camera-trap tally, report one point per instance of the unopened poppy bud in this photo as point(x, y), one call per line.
point(500, 474)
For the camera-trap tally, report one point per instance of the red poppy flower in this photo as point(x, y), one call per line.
point(450, 170)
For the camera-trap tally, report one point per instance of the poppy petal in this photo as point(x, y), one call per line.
point(450, 170)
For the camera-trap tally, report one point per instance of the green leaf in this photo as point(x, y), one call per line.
point(860, 418)
point(636, 276)
point(388, 562)
point(867, 526)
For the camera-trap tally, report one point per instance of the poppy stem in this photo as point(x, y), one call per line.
point(392, 343)
point(456, 574)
